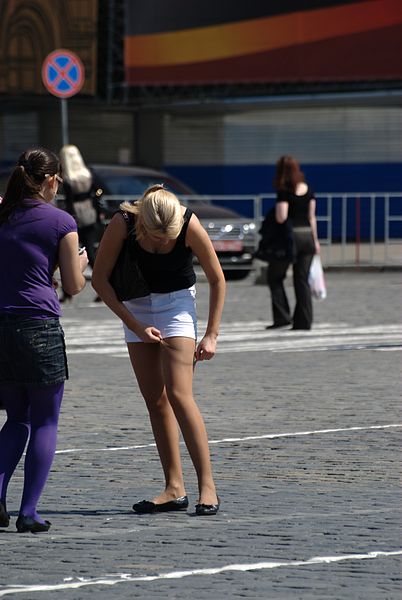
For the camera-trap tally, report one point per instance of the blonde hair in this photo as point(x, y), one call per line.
point(75, 172)
point(158, 211)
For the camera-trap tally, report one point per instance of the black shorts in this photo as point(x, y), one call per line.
point(32, 351)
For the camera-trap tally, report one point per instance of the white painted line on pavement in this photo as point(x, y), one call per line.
point(244, 336)
point(70, 584)
point(394, 349)
point(105, 338)
point(109, 449)
point(297, 433)
point(267, 436)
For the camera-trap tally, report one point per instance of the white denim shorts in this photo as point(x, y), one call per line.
point(173, 313)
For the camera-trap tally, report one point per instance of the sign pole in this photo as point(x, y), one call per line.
point(64, 121)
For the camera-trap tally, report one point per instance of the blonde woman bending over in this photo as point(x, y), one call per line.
point(161, 332)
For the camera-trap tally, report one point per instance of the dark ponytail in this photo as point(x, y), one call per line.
point(26, 179)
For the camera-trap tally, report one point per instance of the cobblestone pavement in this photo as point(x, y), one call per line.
point(305, 438)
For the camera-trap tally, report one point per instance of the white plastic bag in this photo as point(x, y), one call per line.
point(316, 279)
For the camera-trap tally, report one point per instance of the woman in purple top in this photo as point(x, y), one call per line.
point(36, 237)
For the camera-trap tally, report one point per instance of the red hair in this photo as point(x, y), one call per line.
point(288, 174)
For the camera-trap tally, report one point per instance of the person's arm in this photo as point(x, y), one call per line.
point(281, 208)
point(71, 264)
point(313, 224)
point(201, 245)
point(106, 257)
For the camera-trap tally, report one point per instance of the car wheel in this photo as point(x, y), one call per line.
point(235, 275)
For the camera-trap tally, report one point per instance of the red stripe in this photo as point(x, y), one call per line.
point(364, 56)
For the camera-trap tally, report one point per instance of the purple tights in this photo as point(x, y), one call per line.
point(32, 412)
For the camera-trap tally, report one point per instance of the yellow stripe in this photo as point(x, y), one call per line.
point(259, 35)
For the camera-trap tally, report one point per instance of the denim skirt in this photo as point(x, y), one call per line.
point(32, 351)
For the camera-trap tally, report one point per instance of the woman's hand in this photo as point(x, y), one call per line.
point(317, 247)
point(206, 348)
point(83, 261)
point(149, 335)
point(198, 240)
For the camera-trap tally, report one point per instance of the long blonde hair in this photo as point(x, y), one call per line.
point(75, 171)
point(158, 211)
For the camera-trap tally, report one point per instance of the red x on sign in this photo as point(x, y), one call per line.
point(63, 73)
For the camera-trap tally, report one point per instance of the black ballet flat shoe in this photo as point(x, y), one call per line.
point(146, 506)
point(203, 510)
point(278, 325)
point(4, 516)
point(29, 525)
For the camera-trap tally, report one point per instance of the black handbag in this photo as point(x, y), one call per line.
point(126, 278)
point(277, 241)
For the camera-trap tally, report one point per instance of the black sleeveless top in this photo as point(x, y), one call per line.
point(172, 271)
point(298, 206)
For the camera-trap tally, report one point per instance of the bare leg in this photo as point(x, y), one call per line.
point(146, 362)
point(177, 362)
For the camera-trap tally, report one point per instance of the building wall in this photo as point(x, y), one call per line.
point(29, 114)
point(29, 31)
point(341, 148)
point(224, 149)
point(102, 135)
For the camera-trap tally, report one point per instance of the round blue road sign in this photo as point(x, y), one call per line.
point(63, 73)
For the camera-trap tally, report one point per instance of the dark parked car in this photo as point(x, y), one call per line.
point(232, 234)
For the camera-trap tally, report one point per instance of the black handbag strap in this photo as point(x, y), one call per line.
point(129, 220)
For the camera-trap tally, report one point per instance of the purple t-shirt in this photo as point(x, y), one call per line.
point(29, 249)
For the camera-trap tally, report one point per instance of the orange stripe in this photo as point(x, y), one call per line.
point(259, 35)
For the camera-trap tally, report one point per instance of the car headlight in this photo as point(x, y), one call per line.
point(248, 227)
